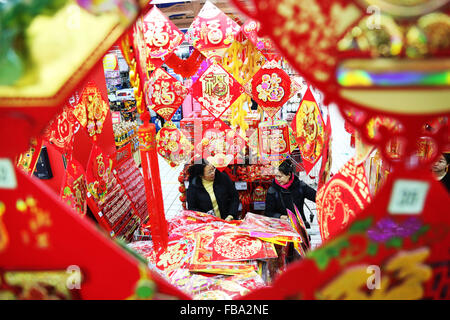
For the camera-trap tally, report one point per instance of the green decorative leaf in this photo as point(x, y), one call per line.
point(372, 249)
point(419, 233)
point(395, 242)
point(360, 225)
point(323, 255)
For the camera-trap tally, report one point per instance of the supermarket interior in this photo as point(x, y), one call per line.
point(224, 150)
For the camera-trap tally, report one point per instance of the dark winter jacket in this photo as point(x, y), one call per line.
point(278, 199)
point(224, 189)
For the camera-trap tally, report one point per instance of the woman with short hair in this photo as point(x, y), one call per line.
point(212, 191)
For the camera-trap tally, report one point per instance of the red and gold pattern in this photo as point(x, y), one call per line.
point(165, 94)
point(44, 235)
point(313, 37)
point(308, 129)
point(73, 191)
point(177, 255)
point(341, 200)
point(274, 141)
point(98, 173)
point(271, 87)
point(96, 108)
point(250, 29)
point(27, 161)
point(212, 31)
point(220, 145)
point(60, 132)
point(216, 90)
point(233, 246)
point(161, 36)
point(411, 252)
point(172, 145)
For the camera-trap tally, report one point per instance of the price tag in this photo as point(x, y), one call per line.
point(100, 214)
point(7, 175)
point(259, 205)
point(88, 194)
point(241, 185)
point(186, 184)
point(408, 196)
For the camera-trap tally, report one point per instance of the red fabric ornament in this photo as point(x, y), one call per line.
point(250, 29)
point(406, 239)
point(172, 145)
point(315, 37)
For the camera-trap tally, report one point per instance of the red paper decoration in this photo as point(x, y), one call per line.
point(98, 173)
point(165, 94)
point(271, 87)
point(274, 141)
point(173, 145)
point(216, 90)
point(92, 109)
point(161, 36)
point(341, 200)
point(234, 246)
point(411, 251)
point(220, 145)
point(308, 129)
point(250, 29)
point(212, 31)
point(41, 239)
point(321, 39)
point(60, 132)
point(73, 191)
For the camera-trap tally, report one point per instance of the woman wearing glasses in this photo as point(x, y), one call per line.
point(212, 191)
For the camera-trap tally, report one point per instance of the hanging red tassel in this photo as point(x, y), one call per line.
point(150, 166)
point(186, 68)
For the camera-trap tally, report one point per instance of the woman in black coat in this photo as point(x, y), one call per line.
point(286, 190)
point(212, 191)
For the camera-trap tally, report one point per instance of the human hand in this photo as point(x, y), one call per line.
point(229, 218)
point(284, 217)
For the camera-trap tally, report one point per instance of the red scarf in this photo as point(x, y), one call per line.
point(287, 185)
